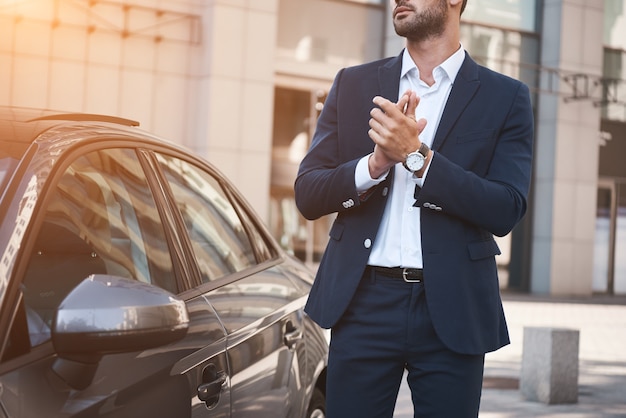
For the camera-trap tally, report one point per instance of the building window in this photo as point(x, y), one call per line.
point(295, 117)
point(614, 69)
point(513, 14)
point(615, 24)
point(614, 85)
point(513, 53)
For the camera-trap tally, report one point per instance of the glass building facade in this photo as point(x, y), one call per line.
point(512, 14)
point(609, 275)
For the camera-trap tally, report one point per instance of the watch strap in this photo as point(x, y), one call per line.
point(424, 150)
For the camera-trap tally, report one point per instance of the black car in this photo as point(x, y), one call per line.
point(135, 281)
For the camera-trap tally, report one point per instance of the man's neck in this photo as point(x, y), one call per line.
point(428, 54)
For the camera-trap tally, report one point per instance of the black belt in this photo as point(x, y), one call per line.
point(409, 275)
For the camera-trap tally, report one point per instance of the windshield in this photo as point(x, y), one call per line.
point(10, 155)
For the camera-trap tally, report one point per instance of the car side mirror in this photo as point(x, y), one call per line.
point(109, 314)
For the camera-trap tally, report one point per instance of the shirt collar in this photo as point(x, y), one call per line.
point(450, 66)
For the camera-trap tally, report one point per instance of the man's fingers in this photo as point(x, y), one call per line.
point(406, 105)
point(388, 107)
point(378, 132)
point(403, 102)
point(375, 136)
point(411, 106)
point(379, 119)
point(421, 124)
point(375, 120)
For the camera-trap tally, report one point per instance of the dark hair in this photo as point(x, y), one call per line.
point(463, 6)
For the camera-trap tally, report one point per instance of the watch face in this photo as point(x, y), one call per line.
point(415, 161)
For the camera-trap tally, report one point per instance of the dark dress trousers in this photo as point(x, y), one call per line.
point(476, 188)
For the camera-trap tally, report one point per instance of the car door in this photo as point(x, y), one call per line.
point(259, 306)
point(98, 215)
point(265, 322)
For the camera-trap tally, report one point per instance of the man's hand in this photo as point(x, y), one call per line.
point(394, 130)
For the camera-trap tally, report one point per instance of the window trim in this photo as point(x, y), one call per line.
point(171, 221)
point(238, 203)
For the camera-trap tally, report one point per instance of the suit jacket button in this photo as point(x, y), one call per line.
point(385, 191)
point(367, 243)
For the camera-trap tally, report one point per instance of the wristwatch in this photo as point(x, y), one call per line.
point(415, 160)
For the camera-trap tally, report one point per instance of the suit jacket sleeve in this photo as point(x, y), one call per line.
point(325, 180)
point(481, 173)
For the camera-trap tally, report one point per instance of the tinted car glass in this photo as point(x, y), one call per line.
point(100, 219)
point(10, 154)
point(220, 243)
point(264, 250)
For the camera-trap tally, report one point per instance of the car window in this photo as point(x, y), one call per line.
point(220, 243)
point(265, 251)
point(101, 218)
point(7, 166)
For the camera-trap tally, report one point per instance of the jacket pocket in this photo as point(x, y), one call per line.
point(484, 135)
point(483, 249)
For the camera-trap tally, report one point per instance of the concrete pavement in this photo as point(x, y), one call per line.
point(602, 359)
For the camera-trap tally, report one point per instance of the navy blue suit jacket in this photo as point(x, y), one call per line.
point(476, 187)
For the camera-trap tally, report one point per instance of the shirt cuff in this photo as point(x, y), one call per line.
point(362, 179)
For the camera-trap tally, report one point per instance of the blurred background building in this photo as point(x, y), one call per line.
point(242, 82)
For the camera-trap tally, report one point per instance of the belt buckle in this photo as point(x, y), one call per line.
point(406, 278)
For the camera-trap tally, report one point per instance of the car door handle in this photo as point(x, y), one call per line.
point(209, 392)
point(292, 336)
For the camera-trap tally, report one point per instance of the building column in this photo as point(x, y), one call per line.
point(233, 95)
point(566, 152)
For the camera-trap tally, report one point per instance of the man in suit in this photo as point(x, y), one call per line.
point(424, 157)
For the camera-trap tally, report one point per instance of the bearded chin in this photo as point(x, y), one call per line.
point(419, 31)
point(426, 26)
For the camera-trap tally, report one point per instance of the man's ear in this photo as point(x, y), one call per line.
point(455, 3)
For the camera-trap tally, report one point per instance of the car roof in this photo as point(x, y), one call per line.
point(24, 125)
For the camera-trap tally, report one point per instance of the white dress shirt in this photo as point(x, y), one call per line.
point(398, 243)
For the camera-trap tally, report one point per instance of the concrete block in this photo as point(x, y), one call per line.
point(550, 365)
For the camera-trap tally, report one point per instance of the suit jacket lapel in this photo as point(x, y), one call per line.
point(463, 90)
point(389, 78)
point(389, 83)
